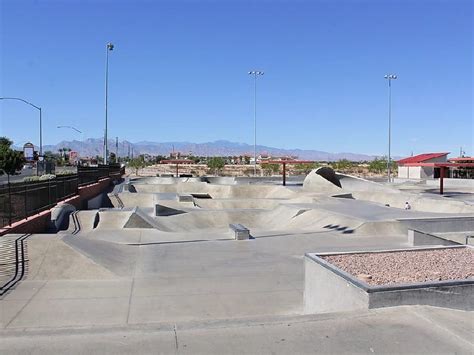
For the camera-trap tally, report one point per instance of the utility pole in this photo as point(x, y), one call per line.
point(255, 73)
point(390, 77)
point(109, 47)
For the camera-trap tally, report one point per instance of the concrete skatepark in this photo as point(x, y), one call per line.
point(159, 269)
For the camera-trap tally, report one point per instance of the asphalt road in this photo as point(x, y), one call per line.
point(16, 178)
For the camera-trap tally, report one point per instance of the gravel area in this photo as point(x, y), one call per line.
point(407, 266)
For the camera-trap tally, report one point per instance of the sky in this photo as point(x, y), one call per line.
point(179, 72)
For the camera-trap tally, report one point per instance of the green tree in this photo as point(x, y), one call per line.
point(215, 164)
point(5, 143)
point(270, 169)
point(342, 165)
point(137, 164)
point(379, 165)
point(11, 160)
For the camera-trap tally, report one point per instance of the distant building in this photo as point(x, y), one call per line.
point(415, 168)
point(432, 165)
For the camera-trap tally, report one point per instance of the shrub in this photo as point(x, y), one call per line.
point(47, 177)
point(31, 179)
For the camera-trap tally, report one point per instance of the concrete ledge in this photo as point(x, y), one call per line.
point(330, 289)
point(417, 238)
point(240, 232)
point(185, 198)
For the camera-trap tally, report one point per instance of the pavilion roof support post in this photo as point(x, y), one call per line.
point(441, 180)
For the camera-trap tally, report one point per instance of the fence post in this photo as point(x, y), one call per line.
point(49, 192)
point(26, 208)
point(9, 201)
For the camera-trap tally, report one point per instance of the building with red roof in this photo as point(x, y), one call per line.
point(421, 166)
point(430, 166)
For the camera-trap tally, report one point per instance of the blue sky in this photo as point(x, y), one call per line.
point(179, 72)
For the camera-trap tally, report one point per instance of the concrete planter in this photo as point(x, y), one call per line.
point(330, 289)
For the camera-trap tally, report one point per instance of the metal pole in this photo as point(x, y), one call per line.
point(106, 99)
point(9, 201)
point(41, 132)
point(40, 118)
point(389, 128)
point(255, 128)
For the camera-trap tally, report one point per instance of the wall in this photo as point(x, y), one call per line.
point(328, 291)
point(325, 291)
point(39, 223)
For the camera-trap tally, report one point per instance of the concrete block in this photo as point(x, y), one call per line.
point(185, 198)
point(330, 289)
point(240, 232)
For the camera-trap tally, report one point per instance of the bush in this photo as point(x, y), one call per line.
point(216, 164)
point(31, 179)
point(47, 177)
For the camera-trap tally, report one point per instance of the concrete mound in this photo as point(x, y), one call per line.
point(138, 219)
point(322, 180)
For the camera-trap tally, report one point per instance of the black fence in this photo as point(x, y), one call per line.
point(91, 174)
point(22, 200)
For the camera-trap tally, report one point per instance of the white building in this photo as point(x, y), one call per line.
point(421, 166)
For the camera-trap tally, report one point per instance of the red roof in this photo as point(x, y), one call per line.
point(420, 158)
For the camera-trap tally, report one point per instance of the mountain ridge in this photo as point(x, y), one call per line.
point(93, 147)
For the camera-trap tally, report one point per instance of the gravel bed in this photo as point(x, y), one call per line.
point(407, 266)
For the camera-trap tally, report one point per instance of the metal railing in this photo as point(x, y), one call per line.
point(21, 200)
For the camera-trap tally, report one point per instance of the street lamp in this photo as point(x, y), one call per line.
point(78, 131)
point(255, 73)
point(40, 120)
point(389, 77)
point(109, 47)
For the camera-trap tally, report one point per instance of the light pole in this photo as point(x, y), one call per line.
point(255, 73)
point(40, 120)
point(108, 48)
point(78, 131)
point(389, 77)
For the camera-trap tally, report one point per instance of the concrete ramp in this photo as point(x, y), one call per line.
point(83, 221)
point(137, 219)
point(353, 183)
point(50, 258)
point(322, 180)
point(425, 203)
point(162, 211)
point(110, 219)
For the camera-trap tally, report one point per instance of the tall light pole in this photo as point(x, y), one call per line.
point(389, 77)
point(40, 120)
point(78, 131)
point(108, 48)
point(255, 73)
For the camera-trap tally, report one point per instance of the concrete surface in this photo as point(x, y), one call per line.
point(180, 283)
point(422, 330)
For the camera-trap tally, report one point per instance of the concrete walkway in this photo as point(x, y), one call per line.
point(400, 330)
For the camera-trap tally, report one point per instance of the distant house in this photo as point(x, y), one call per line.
point(421, 166)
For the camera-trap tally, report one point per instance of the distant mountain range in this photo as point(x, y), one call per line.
point(93, 147)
